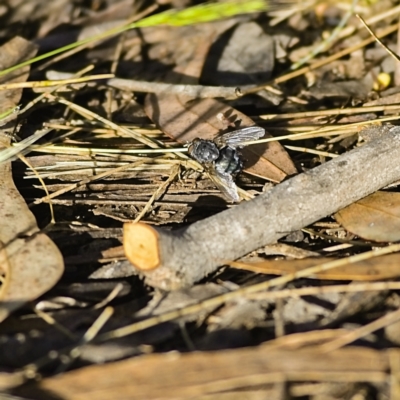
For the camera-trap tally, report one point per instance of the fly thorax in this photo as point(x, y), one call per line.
point(204, 151)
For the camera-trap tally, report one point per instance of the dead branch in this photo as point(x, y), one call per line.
point(195, 91)
point(174, 259)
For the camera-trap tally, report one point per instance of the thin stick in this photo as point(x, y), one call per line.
point(322, 131)
point(312, 151)
point(352, 336)
point(198, 91)
point(318, 290)
point(156, 194)
point(392, 53)
point(51, 321)
point(52, 83)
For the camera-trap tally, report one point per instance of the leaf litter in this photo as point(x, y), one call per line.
point(30, 262)
point(112, 155)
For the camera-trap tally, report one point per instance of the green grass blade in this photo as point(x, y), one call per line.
point(10, 111)
point(203, 13)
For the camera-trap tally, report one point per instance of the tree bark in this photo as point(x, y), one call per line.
point(182, 257)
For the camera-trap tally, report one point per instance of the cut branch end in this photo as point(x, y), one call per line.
point(141, 245)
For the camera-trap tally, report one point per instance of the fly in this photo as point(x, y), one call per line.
point(221, 158)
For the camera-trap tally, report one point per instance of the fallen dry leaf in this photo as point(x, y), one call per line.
point(376, 217)
point(242, 56)
point(384, 267)
point(29, 260)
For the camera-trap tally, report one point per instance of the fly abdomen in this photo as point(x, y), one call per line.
point(229, 161)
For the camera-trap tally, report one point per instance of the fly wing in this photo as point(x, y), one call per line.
point(237, 138)
point(225, 184)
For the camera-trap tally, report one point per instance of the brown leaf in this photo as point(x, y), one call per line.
point(376, 217)
point(29, 260)
point(385, 267)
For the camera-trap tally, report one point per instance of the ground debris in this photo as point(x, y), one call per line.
point(285, 295)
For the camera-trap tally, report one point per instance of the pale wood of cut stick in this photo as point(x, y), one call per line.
point(191, 253)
